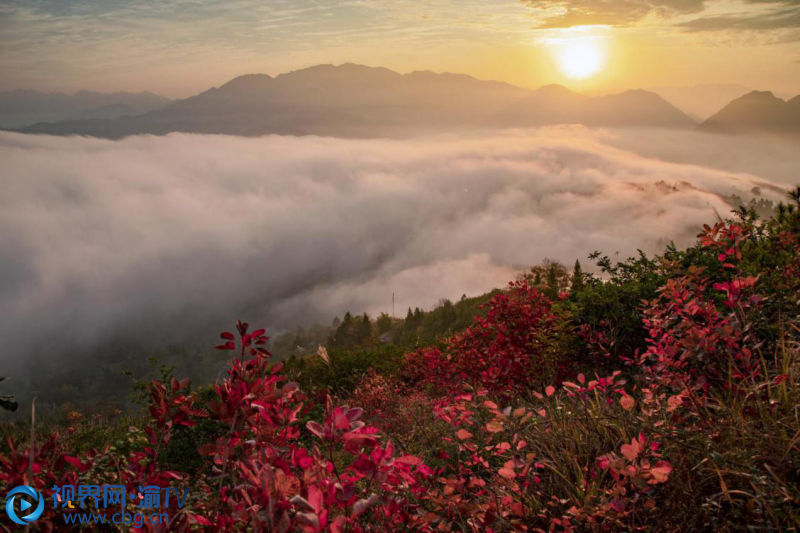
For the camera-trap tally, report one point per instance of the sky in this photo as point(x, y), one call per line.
point(182, 47)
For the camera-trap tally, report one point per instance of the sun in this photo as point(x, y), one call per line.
point(581, 59)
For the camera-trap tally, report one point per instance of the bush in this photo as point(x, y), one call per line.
point(684, 416)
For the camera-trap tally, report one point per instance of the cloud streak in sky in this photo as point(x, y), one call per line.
point(777, 19)
point(151, 234)
point(756, 15)
point(568, 13)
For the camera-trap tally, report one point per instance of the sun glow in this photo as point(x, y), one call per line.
point(581, 59)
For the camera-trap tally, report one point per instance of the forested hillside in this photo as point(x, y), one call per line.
point(658, 395)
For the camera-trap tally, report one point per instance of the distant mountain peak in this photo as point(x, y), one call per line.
point(759, 96)
point(423, 73)
point(756, 112)
point(554, 88)
point(341, 69)
point(247, 81)
point(640, 94)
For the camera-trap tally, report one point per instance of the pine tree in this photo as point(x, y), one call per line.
point(343, 336)
point(364, 330)
point(577, 278)
point(552, 282)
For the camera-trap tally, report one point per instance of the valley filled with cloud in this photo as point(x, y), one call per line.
point(103, 239)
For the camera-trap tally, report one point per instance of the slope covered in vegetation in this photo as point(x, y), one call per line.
point(660, 396)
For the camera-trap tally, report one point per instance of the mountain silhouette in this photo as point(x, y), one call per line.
point(24, 107)
point(701, 101)
point(106, 111)
point(357, 101)
point(756, 112)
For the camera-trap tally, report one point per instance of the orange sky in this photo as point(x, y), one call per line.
point(182, 47)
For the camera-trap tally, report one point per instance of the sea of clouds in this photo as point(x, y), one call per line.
point(163, 235)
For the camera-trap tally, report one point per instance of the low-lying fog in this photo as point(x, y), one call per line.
point(164, 235)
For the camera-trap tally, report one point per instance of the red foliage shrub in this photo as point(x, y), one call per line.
point(262, 475)
point(504, 352)
point(268, 480)
point(699, 330)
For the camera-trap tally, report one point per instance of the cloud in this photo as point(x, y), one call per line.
point(774, 19)
point(568, 13)
point(760, 16)
point(168, 236)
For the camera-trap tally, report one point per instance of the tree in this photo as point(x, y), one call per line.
point(577, 278)
point(344, 335)
point(549, 277)
point(364, 330)
point(384, 323)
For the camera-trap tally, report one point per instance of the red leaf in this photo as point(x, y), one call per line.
point(660, 472)
point(362, 505)
point(227, 346)
point(412, 460)
point(363, 466)
point(315, 498)
point(631, 451)
point(627, 402)
point(507, 473)
point(463, 434)
point(74, 461)
point(316, 428)
point(338, 524)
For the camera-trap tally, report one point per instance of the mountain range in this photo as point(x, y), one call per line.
point(357, 101)
point(24, 107)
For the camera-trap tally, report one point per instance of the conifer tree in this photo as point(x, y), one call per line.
point(365, 329)
point(577, 278)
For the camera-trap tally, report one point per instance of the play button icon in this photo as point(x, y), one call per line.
point(27, 492)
